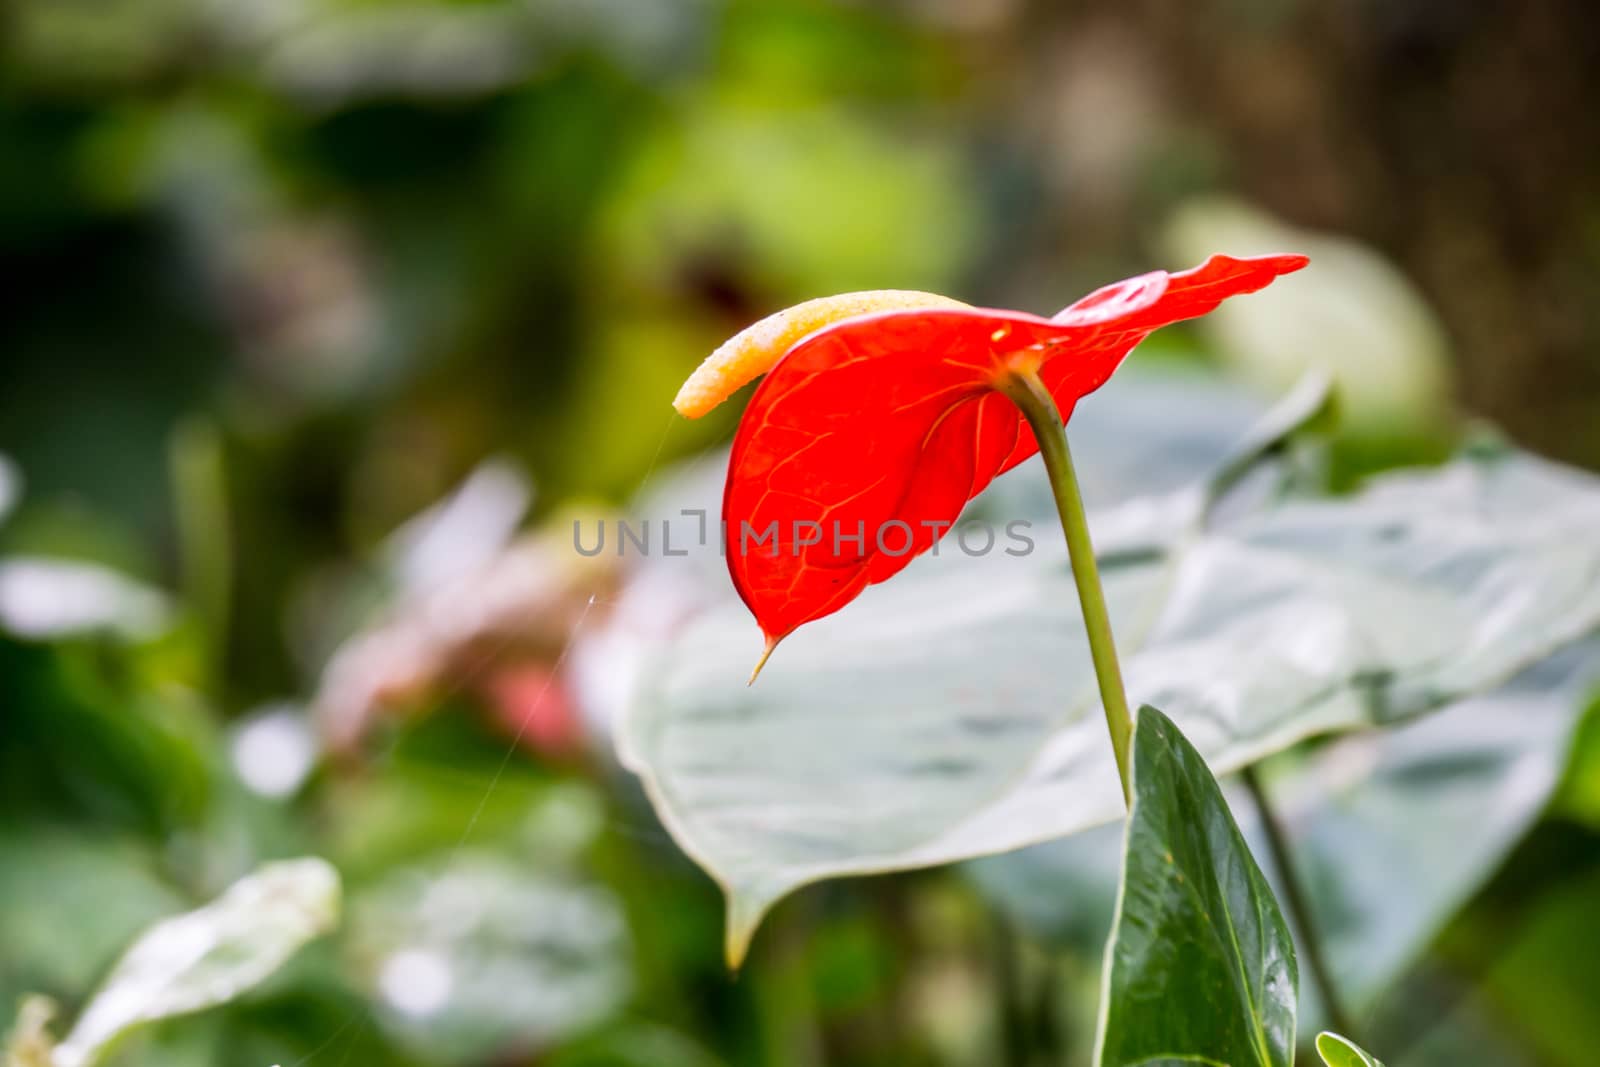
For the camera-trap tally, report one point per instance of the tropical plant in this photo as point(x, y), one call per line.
point(883, 415)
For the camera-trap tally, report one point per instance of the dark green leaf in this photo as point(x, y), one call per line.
point(1200, 968)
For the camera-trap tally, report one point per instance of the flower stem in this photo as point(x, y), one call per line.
point(1294, 896)
point(1029, 394)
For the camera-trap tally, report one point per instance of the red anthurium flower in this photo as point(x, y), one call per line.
point(874, 427)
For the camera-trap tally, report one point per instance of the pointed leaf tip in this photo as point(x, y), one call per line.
point(766, 654)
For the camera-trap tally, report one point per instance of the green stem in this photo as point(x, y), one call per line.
point(1294, 896)
point(1029, 394)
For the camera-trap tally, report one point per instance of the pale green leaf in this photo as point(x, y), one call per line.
point(207, 956)
point(1339, 1051)
point(952, 712)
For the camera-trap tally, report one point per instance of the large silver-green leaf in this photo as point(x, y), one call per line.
point(1392, 831)
point(207, 956)
point(1200, 967)
point(952, 712)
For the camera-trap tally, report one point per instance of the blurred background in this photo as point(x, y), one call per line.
point(321, 319)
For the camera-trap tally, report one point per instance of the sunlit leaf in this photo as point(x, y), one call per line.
point(207, 956)
point(1339, 1051)
point(953, 713)
point(1200, 967)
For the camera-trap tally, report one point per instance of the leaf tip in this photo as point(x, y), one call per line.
point(766, 654)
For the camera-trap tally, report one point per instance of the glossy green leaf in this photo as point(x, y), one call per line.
point(1200, 967)
point(952, 713)
point(207, 956)
point(1392, 830)
point(1339, 1051)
